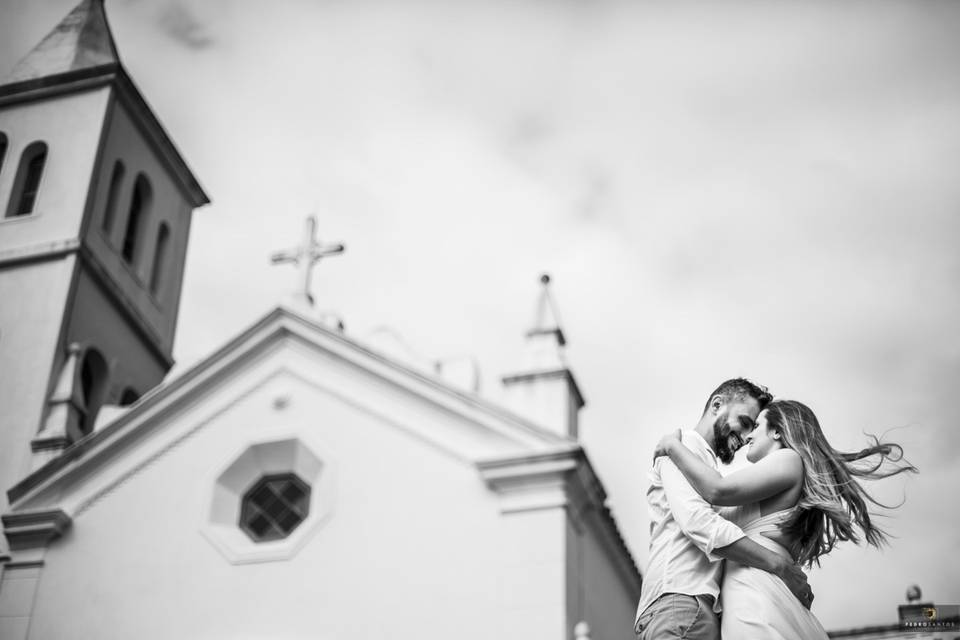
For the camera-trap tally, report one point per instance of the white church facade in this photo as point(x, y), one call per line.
point(296, 483)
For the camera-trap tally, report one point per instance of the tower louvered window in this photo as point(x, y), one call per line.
point(110, 212)
point(160, 260)
point(136, 220)
point(26, 186)
point(3, 150)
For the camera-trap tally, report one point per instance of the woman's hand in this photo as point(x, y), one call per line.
point(667, 441)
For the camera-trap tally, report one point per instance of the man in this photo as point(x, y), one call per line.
point(689, 539)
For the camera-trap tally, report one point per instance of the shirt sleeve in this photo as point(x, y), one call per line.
point(707, 529)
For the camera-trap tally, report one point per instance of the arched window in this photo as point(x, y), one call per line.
point(109, 213)
point(160, 259)
point(93, 383)
point(3, 149)
point(27, 183)
point(137, 220)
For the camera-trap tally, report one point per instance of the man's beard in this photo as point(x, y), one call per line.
point(725, 440)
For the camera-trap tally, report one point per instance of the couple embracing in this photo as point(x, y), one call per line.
point(791, 506)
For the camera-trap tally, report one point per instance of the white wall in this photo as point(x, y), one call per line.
point(30, 322)
point(33, 295)
point(415, 547)
point(70, 126)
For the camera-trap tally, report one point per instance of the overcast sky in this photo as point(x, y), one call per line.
point(718, 189)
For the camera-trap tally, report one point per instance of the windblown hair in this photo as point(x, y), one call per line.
point(738, 389)
point(833, 504)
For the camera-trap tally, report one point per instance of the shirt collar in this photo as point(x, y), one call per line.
point(701, 442)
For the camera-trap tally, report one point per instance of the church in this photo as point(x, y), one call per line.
point(297, 482)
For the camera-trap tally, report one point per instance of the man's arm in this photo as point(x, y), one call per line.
point(751, 554)
point(694, 515)
point(719, 538)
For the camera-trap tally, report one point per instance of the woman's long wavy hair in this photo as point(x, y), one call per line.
point(833, 505)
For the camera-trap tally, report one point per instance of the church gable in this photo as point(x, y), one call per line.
point(281, 362)
point(364, 471)
point(294, 451)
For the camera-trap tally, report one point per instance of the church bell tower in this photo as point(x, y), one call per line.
point(95, 208)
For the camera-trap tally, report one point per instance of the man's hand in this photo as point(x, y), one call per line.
point(796, 581)
point(667, 441)
point(750, 553)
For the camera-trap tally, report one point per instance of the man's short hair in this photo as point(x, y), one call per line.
point(739, 388)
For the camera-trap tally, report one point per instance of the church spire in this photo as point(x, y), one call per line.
point(545, 390)
point(82, 41)
point(547, 320)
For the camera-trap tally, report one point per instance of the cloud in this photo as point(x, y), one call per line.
point(179, 22)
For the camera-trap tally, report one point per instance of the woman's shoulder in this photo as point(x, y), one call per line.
point(786, 456)
point(784, 461)
point(787, 462)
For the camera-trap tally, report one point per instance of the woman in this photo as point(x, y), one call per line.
point(799, 499)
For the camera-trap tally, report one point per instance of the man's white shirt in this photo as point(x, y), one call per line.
point(684, 532)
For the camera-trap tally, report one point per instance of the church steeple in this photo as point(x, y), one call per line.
point(82, 41)
point(95, 210)
point(545, 390)
point(545, 339)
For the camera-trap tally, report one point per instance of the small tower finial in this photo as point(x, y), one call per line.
point(547, 320)
point(545, 390)
point(581, 631)
point(914, 593)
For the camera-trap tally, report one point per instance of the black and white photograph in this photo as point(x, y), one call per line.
point(533, 320)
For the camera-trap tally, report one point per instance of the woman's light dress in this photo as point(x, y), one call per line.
point(758, 605)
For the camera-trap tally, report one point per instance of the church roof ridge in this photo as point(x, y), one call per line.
point(472, 398)
point(80, 42)
point(281, 320)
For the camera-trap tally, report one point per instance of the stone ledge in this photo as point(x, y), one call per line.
point(33, 529)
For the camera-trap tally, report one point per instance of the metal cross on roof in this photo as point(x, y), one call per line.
point(305, 256)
